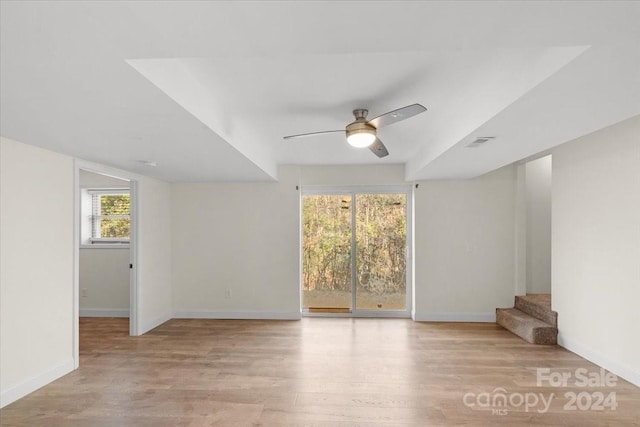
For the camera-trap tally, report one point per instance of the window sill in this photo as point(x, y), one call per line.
point(105, 246)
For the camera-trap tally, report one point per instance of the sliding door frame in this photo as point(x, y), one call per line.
point(354, 191)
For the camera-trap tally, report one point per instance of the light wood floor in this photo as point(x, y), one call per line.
point(320, 372)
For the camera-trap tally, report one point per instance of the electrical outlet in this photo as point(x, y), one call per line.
point(227, 293)
point(83, 292)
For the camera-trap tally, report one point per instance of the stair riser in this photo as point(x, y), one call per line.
point(545, 335)
point(538, 311)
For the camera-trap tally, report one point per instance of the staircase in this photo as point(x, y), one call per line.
point(531, 319)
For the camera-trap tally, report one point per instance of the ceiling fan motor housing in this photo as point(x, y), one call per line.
point(360, 127)
point(360, 114)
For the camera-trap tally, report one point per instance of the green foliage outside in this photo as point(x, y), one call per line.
point(381, 232)
point(115, 204)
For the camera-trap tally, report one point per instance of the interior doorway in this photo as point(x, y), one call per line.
point(355, 258)
point(105, 212)
point(105, 233)
point(538, 186)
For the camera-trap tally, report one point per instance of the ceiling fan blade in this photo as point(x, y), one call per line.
point(378, 148)
point(397, 115)
point(302, 135)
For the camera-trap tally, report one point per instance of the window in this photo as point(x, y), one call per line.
point(110, 217)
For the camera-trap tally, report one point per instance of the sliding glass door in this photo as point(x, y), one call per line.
point(326, 253)
point(381, 252)
point(354, 252)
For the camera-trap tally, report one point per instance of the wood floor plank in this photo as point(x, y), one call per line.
point(317, 371)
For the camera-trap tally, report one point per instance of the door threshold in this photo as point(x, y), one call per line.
point(328, 310)
point(359, 314)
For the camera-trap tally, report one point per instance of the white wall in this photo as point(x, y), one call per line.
point(520, 235)
point(95, 180)
point(242, 238)
point(104, 272)
point(351, 175)
point(538, 239)
point(154, 262)
point(464, 247)
point(36, 268)
point(596, 247)
point(104, 282)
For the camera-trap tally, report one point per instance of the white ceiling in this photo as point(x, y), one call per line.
point(208, 89)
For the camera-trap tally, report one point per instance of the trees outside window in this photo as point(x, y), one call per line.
point(111, 216)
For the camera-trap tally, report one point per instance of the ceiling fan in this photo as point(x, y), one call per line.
point(362, 133)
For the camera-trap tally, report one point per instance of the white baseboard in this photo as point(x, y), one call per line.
point(104, 312)
point(624, 371)
point(446, 316)
point(215, 314)
point(147, 326)
point(34, 383)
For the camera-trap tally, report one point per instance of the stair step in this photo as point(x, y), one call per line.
point(527, 327)
point(538, 306)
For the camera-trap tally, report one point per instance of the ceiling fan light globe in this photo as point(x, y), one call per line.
point(361, 140)
point(360, 134)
